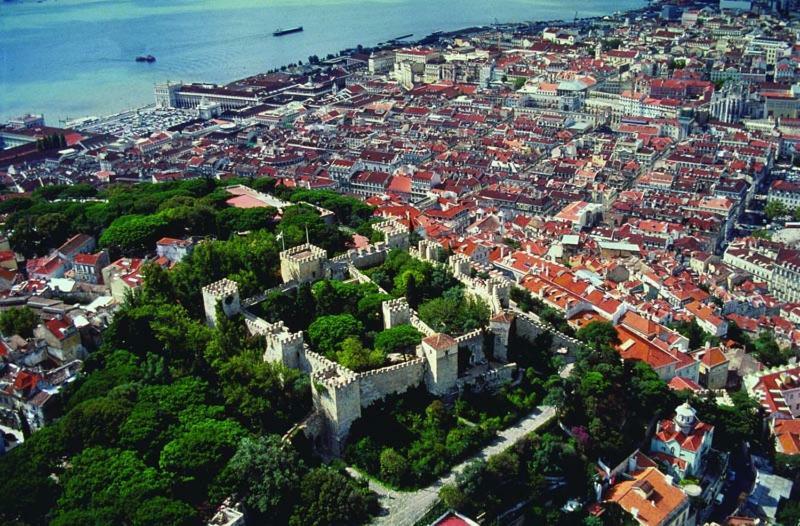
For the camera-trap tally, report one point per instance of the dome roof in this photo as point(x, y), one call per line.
point(685, 411)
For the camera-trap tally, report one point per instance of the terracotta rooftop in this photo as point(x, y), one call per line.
point(439, 341)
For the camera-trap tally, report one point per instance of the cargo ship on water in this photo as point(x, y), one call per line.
point(280, 32)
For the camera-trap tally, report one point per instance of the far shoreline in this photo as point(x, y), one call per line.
point(429, 39)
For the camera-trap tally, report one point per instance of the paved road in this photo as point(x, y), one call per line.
point(406, 508)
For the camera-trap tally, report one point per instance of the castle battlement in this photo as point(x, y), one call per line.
point(389, 226)
point(396, 304)
point(395, 234)
point(284, 336)
point(221, 288)
point(319, 362)
point(260, 327)
point(225, 292)
point(413, 362)
point(469, 335)
point(420, 325)
point(304, 253)
point(303, 263)
point(332, 378)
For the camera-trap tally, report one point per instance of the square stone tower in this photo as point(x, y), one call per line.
point(284, 347)
point(429, 250)
point(303, 263)
point(500, 327)
point(441, 353)
point(499, 290)
point(395, 234)
point(460, 265)
point(395, 312)
point(225, 291)
point(338, 398)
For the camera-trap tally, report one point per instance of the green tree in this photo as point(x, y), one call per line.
point(196, 456)
point(147, 429)
point(789, 512)
point(369, 310)
point(134, 234)
point(109, 482)
point(453, 497)
point(775, 209)
point(162, 510)
point(265, 474)
point(20, 321)
point(328, 332)
point(328, 497)
point(265, 396)
point(394, 466)
point(454, 314)
point(692, 331)
point(95, 422)
point(598, 334)
point(768, 351)
point(356, 357)
point(398, 339)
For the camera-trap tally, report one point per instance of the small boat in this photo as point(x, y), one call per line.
point(145, 58)
point(280, 32)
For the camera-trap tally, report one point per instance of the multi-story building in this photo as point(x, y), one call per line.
point(786, 192)
point(650, 497)
point(88, 267)
point(682, 442)
point(785, 281)
point(778, 391)
point(174, 249)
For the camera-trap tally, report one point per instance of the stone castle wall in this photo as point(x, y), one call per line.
point(420, 325)
point(491, 380)
point(395, 379)
point(530, 328)
point(473, 342)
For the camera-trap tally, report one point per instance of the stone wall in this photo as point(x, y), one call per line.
point(491, 380)
point(338, 400)
point(395, 312)
point(377, 384)
point(420, 325)
point(473, 342)
point(529, 327)
point(225, 292)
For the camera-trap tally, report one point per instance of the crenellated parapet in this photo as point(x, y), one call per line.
point(338, 398)
point(377, 384)
point(420, 325)
point(395, 234)
point(303, 263)
point(224, 292)
point(285, 347)
point(459, 265)
point(428, 250)
point(395, 312)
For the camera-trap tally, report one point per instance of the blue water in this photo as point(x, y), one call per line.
point(74, 58)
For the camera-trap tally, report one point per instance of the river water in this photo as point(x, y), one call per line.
point(75, 58)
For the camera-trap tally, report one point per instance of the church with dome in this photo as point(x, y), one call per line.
point(682, 442)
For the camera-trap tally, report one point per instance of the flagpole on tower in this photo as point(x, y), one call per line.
point(307, 241)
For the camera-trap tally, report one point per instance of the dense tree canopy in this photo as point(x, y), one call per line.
point(453, 313)
point(398, 339)
point(598, 334)
point(20, 321)
point(163, 406)
point(328, 332)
